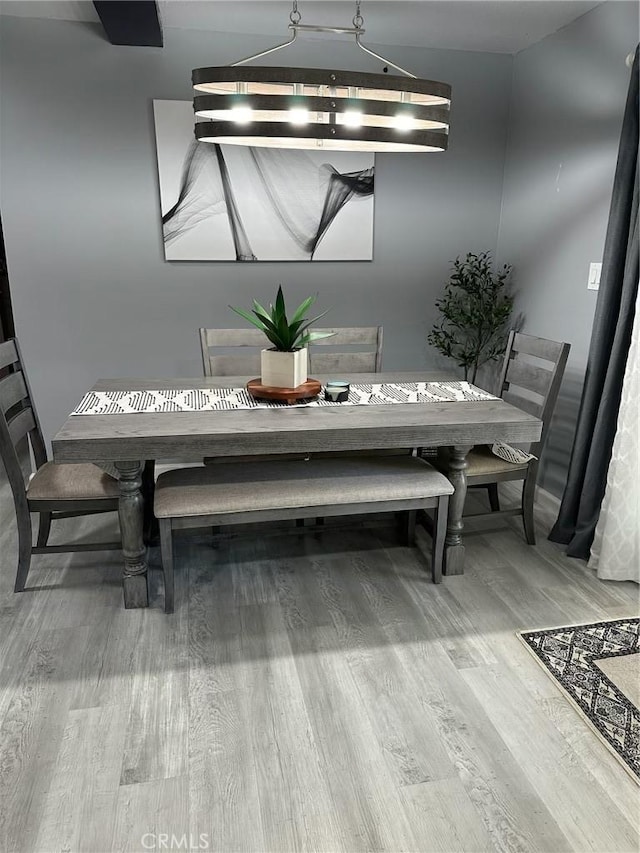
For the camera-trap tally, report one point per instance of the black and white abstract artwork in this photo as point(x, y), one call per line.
point(234, 203)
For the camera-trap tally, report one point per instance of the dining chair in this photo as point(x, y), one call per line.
point(530, 380)
point(54, 491)
point(356, 349)
point(350, 350)
point(236, 352)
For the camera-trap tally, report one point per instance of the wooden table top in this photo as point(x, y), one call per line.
point(192, 435)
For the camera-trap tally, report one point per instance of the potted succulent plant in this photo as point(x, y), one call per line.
point(284, 365)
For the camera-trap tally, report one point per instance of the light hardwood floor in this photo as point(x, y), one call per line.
point(311, 692)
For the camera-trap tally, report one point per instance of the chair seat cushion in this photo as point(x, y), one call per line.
point(71, 482)
point(255, 486)
point(480, 462)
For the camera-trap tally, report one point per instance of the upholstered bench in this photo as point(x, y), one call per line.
point(244, 492)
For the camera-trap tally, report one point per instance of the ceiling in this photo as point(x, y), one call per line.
point(497, 26)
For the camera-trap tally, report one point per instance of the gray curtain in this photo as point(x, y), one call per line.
point(610, 342)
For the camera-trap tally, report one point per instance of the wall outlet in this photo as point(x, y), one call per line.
point(593, 282)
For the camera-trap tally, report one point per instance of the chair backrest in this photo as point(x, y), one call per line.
point(238, 351)
point(18, 419)
point(364, 353)
point(531, 377)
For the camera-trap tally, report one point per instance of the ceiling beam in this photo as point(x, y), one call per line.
point(131, 22)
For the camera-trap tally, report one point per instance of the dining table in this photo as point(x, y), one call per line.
point(128, 440)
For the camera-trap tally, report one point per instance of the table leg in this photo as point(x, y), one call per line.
point(453, 547)
point(131, 513)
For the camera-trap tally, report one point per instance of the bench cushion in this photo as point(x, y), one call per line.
point(255, 486)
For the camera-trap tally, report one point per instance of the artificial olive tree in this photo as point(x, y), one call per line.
point(475, 309)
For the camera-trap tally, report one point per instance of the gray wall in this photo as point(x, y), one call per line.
point(79, 199)
point(567, 103)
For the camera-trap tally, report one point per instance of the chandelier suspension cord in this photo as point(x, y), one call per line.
point(295, 26)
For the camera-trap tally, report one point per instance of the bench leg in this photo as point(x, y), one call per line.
point(438, 536)
point(166, 555)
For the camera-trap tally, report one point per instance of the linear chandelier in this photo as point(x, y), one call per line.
point(283, 107)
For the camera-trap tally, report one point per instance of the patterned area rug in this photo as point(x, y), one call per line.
point(572, 657)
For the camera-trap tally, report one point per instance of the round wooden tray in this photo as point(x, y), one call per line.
point(310, 388)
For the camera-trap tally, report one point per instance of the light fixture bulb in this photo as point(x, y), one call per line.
point(299, 116)
point(403, 122)
point(242, 115)
point(352, 119)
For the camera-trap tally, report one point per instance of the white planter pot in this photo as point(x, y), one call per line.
point(283, 369)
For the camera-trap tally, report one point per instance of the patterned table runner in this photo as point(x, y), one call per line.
point(226, 399)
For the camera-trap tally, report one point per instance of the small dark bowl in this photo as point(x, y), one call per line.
point(341, 397)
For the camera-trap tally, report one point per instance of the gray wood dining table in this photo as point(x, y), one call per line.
point(128, 440)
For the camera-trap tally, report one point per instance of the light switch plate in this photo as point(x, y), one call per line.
point(593, 282)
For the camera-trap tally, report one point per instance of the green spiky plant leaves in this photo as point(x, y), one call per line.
point(285, 334)
point(475, 310)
